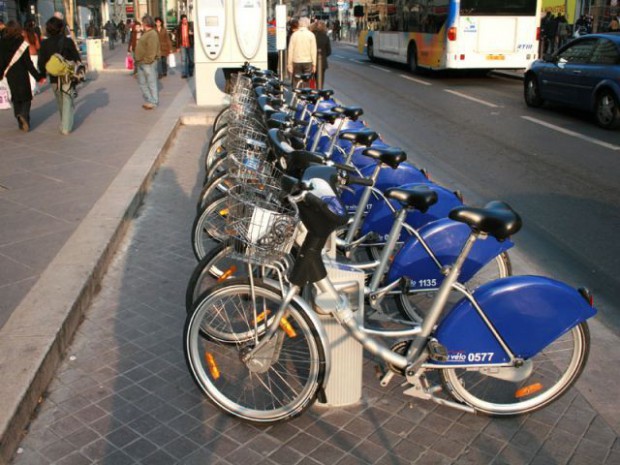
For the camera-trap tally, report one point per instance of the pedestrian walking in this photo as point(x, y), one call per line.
point(563, 30)
point(147, 60)
point(34, 44)
point(136, 33)
point(185, 43)
point(302, 51)
point(336, 30)
point(110, 30)
point(165, 46)
point(122, 31)
point(57, 42)
point(324, 49)
point(16, 66)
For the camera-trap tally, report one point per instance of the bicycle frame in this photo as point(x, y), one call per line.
point(493, 310)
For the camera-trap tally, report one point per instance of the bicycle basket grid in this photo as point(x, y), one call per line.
point(261, 223)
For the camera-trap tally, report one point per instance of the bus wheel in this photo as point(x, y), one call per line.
point(412, 58)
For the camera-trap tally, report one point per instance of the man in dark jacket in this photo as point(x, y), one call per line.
point(185, 43)
point(57, 42)
point(148, 53)
point(12, 45)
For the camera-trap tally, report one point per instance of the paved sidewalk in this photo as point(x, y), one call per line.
point(65, 202)
point(49, 182)
point(123, 394)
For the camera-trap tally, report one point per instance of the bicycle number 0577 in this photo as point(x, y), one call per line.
point(480, 356)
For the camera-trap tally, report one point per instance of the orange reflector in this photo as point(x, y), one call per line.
point(227, 274)
point(287, 328)
point(223, 212)
point(262, 316)
point(284, 324)
point(215, 372)
point(528, 390)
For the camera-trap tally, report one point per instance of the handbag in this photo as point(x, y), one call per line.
point(172, 61)
point(129, 62)
point(5, 96)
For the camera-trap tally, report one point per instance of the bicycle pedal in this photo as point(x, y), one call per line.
point(380, 371)
point(436, 351)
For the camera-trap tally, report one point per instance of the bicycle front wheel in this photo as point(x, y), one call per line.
point(553, 371)
point(209, 226)
point(279, 381)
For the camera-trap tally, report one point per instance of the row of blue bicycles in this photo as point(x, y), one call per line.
point(306, 213)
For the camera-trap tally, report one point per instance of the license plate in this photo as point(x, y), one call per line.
point(496, 57)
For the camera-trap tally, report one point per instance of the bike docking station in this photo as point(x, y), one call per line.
point(230, 33)
point(344, 384)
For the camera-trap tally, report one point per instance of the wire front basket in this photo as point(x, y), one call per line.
point(245, 168)
point(264, 226)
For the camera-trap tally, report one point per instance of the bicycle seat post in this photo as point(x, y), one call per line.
point(361, 208)
point(388, 249)
point(441, 299)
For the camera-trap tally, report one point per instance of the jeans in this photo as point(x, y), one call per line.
point(163, 66)
point(66, 108)
point(147, 79)
point(187, 61)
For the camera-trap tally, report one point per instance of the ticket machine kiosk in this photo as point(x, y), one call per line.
point(229, 33)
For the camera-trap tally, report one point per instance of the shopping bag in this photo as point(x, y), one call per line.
point(312, 82)
point(172, 61)
point(5, 95)
point(129, 61)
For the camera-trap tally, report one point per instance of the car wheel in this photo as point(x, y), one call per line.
point(531, 92)
point(607, 110)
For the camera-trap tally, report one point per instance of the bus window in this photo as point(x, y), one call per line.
point(498, 7)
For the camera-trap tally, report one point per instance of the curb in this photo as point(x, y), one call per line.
point(34, 339)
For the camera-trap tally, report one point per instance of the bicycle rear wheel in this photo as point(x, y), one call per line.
point(277, 383)
point(415, 305)
point(553, 371)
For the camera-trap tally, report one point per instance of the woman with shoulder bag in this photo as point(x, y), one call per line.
point(57, 42)
point(15, 66)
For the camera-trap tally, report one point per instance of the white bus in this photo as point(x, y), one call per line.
point(453, 34)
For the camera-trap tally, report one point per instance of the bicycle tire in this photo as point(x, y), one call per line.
point(495, 397)
point(212, 190)
point(222, 118)
point(209, 225)
point(209, 271)
point(281, 382)
point(215, 150)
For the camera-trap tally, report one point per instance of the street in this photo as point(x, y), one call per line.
point(475, 134)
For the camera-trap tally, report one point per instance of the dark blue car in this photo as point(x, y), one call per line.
point(583, 74)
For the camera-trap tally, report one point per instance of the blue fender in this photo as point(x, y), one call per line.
point(406, 173)
point(446, 239)
point(388, 177)
point(380, 217)
point(528, 312)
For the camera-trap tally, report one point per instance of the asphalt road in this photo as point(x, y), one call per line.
point(475, 134)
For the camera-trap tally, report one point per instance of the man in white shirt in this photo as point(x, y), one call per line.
point(302, 51)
